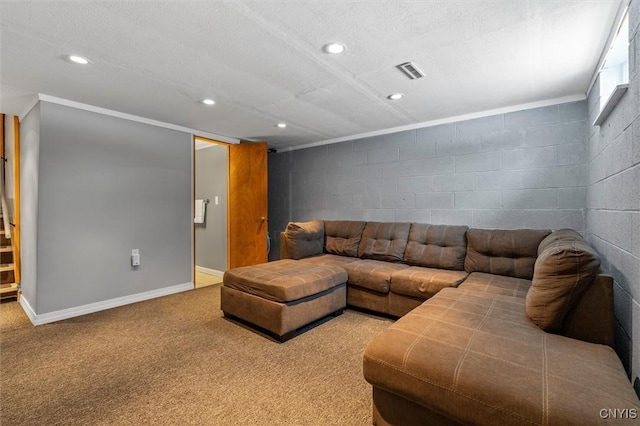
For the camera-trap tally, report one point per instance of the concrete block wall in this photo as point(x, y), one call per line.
point(524, 169)
point(613, 200)
point(540, 168)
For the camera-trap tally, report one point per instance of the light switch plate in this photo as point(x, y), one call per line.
point(135, 257)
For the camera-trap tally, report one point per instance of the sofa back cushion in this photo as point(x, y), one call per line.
point(563, 271)
point(304, 239)
point(436, 246)
point(342, 237)
point(384, 241)
point(503, 252)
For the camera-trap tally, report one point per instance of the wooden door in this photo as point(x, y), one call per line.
point(247, 214)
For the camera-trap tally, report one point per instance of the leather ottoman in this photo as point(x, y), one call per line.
point(281, 297)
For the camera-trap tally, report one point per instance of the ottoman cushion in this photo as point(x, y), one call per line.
point(284, 280)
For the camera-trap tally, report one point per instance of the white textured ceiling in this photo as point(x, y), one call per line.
point(262, 61)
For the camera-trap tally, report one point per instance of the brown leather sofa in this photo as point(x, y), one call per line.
point(496, 327)
point(423, 259)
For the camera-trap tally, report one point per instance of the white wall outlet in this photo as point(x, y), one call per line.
point(216, 200)
point(135, 257)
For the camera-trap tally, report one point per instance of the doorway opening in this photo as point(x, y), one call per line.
point(211, 186)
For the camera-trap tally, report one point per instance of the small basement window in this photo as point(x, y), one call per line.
point(614, 73)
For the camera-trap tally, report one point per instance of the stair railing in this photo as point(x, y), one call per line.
point(3, 202)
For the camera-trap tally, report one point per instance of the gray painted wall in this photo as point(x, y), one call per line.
point(613, 200)
point(29, 160)
point(107, 185)
point(524, 169)
point(211, 181)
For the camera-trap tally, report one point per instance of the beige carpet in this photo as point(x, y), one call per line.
point(175, 361)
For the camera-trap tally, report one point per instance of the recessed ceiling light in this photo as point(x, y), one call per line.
point(208, 101)
point(78, 59)
point(333, 48)
point(396, 96)
point(281, 125)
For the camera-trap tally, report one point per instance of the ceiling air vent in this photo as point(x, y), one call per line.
point(411, 70)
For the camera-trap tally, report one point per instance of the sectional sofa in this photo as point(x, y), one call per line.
point(496, 326)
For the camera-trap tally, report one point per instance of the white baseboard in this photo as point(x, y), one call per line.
point(39, 319)
point(27, 309)
point(209, 271)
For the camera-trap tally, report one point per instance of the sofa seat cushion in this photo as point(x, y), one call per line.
point(372, 274)
point(497, 284)
point(284, 280)
point(503, 252)
point(422, 283)
point(384, 241)
point(477, 359)
point(436, 246)
point(330, 259)
point(342, 237)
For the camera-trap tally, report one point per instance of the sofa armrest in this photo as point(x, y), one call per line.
point(284, 247)
point(592, 320)
point(302, 239)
